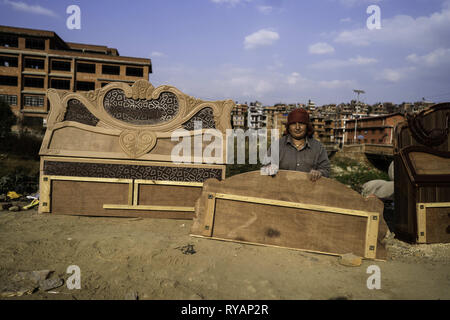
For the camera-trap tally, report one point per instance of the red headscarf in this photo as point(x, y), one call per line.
point(302, 116)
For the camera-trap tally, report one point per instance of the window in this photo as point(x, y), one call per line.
point(86, 67)
point(7, 40)
point(110, 69)
point(134, 72)
point(7, 61)
point(85, 85)
point(33, 101)
point(61, 65)
point(35, 43)
point(60, 84)
point(9, 99)
point(8, 81)
point(104, 84)
point(34, 63)
point(33, 82)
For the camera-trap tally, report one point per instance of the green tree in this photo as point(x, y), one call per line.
point(7, 119)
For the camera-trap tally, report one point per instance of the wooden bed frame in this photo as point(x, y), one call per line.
point(108, 152)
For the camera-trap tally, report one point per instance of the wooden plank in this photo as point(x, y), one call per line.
point(89, 179)
point(372, 236)
point(170, 183)
point(437, 204)
point(293, 205)
point(150, 208)
point(209, 218)
point(44, 194)
point(421, 223)
point(136, 192)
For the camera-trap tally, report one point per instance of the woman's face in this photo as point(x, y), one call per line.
point(298, 130)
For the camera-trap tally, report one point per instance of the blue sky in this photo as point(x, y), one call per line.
point(268, 50)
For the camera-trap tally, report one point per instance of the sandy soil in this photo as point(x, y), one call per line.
point(123, 257)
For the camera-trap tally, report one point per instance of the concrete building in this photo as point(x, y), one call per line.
point(32, 61)
point(256, 116)
point(239, 116)
point(372, 130)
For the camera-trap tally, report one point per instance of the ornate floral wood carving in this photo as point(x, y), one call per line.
point(138, 115)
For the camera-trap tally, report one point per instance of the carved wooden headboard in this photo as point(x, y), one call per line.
point(126, 122)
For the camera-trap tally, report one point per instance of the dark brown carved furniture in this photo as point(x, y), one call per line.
point(422, 176)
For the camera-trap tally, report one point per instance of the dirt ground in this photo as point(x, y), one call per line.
point(125, 258)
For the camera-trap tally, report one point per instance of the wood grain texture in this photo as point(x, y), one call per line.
point(425, 163)
point(161, 195)
point(422, 172)
point(89, 198)
point(438, 224)
point(284, 226)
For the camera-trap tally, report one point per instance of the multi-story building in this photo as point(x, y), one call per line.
point(372, 130)
point(317, 121)
point(280, 120)
point(32, 61)
point(239, 116)
point(311, 105)
point(256, 116)
point(270, 113)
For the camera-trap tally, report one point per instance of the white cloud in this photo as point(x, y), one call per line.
point(395, 75)
point(248, 84)
point(277, 63)
point(156, 54)
point(352, 3)
point(265, 9)
point(263, 37)
point(438, 57)
point(231, 3)
point(320, 48)
point(336, 84)
point(293, 78)
point(34, 9)
point(337, 63)
point(403, 30)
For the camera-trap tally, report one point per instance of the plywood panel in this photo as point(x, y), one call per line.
point(184, 196)
point(290, 227)
point(89, 198)
point(86, 198)
point(289, 210)
point(425, 163)
point(75, 139)
point(438, 225)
